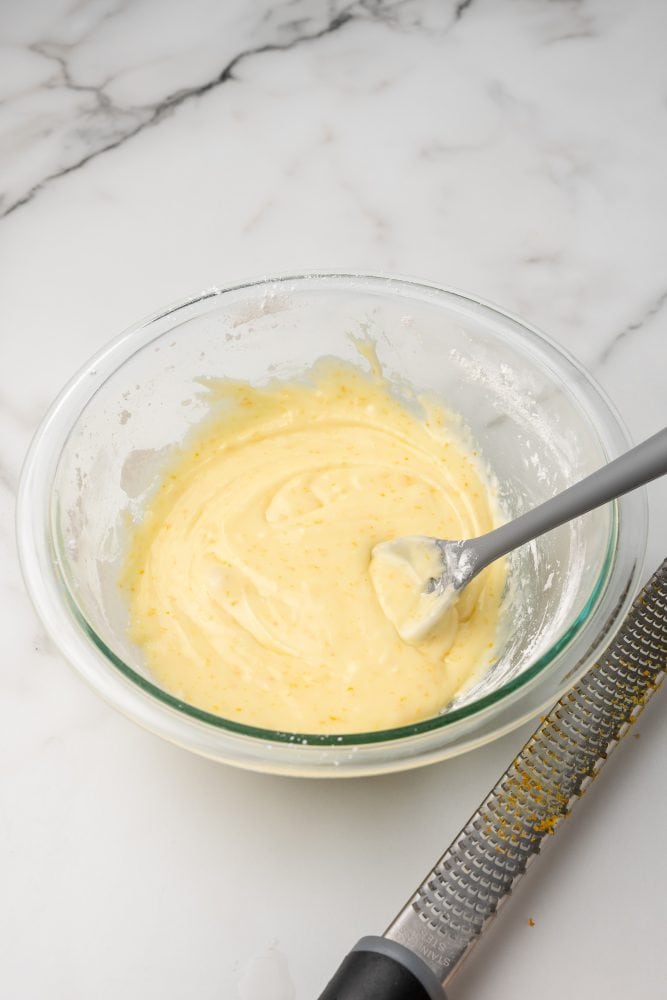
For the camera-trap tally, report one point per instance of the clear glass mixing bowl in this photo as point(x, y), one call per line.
point(539, 421)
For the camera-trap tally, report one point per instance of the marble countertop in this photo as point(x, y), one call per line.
point(152, 149)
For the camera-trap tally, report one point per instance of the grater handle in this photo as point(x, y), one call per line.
point(379, 969)
point(441, 922)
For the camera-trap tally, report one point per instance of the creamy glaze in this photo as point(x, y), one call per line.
point(249, 580)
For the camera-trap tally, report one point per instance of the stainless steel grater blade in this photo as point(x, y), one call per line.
point(427, 942)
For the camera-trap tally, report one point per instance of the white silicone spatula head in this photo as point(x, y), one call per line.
point(417, 578)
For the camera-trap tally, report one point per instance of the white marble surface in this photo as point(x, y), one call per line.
point(150, 149)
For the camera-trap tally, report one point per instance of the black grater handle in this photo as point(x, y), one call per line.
point(378, 969)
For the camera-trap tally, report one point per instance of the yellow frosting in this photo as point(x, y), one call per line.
point(249, 581)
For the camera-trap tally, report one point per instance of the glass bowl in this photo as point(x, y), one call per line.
point(537, 417)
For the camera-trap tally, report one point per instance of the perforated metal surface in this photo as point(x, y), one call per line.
point(464, 891)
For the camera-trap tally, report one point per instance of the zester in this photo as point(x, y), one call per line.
point(424, 946)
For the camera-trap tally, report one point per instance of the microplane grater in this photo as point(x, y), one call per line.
point(425, 945)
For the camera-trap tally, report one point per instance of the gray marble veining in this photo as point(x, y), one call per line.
point(151, 148)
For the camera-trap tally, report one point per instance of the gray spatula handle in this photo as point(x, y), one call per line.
point(637, 467)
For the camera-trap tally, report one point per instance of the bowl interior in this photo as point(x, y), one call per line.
point(521, 403)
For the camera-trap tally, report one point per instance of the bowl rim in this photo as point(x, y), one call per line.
point(47, 585)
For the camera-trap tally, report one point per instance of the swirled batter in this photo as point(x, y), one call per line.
point(249, 578)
